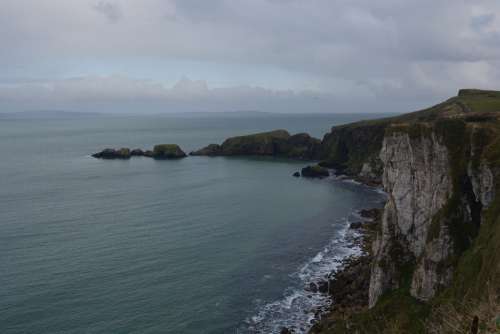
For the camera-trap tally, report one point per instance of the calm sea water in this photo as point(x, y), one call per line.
point(199, 245)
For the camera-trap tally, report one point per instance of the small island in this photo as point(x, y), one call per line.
point(278, 143)
point(159, 152)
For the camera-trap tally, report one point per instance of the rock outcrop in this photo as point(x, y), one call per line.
point(110, 153)
point(168, 151)
point(315, 171)
point(274, 143)
point(353, 149)
point(164, 151)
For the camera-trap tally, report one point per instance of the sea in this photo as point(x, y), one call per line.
point(198, 245)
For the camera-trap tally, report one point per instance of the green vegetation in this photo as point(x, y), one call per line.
point(274, 143)
point(168, 151)
point(256, 144)
point(468, 126)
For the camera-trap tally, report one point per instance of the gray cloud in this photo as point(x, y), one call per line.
point(348, 51)
point(105, 93)
point(110, 10)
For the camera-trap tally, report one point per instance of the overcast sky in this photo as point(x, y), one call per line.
point(223, 55)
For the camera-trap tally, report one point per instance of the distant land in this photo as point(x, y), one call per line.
point(57, 114)
point(49, 114)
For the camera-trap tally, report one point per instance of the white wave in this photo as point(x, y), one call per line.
point(298, 308)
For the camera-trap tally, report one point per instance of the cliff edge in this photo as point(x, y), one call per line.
point(438, 244)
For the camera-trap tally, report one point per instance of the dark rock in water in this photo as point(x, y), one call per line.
point(285, 330)
point(312, 287)
point(137, 152)
point(323, 286)
point(210, 150)
point(296, 174)
point(110, 153)
point(370, 213)
point(355, 225)
point(315, 171)
point(168, 151)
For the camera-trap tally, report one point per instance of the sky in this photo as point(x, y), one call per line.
point(150, 56)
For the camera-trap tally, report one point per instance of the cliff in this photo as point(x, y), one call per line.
point(437, 245)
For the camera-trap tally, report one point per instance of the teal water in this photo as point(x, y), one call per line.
point(199, 245)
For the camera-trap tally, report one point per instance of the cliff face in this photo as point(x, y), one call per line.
point(439, 168)
point(354, 149)
point(417, 181)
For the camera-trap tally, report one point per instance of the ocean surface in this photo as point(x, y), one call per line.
point(199, 245)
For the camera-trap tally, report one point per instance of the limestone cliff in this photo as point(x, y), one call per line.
point(418, 184)
point(439, 168)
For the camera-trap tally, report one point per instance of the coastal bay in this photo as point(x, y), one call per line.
point(142, 245)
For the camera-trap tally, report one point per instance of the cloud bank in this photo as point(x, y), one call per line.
point(271, 55)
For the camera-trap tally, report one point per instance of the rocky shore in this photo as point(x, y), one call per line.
point(349, 285)
point(435, 243)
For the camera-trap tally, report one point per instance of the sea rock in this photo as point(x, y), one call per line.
point(315, 171)
point(323, 286)
point(210, 150)
point(273, 143)
point(165, 151)
point(296, 174)
point(312, 287)
point(110, 153)
point(356, 225)
point(168, 151)
point(285, 330)
point(136, 153)
point(372, 214)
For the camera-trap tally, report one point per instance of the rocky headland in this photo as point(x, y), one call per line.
point(431, 256)
point(432, 262)
point(278, 143)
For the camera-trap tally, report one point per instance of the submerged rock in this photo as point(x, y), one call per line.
point(315, 171)
point(168, 151)
point(110, 153)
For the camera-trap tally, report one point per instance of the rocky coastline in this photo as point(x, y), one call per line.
point(436, 242)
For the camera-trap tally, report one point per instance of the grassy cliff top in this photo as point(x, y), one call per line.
point(468, 103)
point(276, 134)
